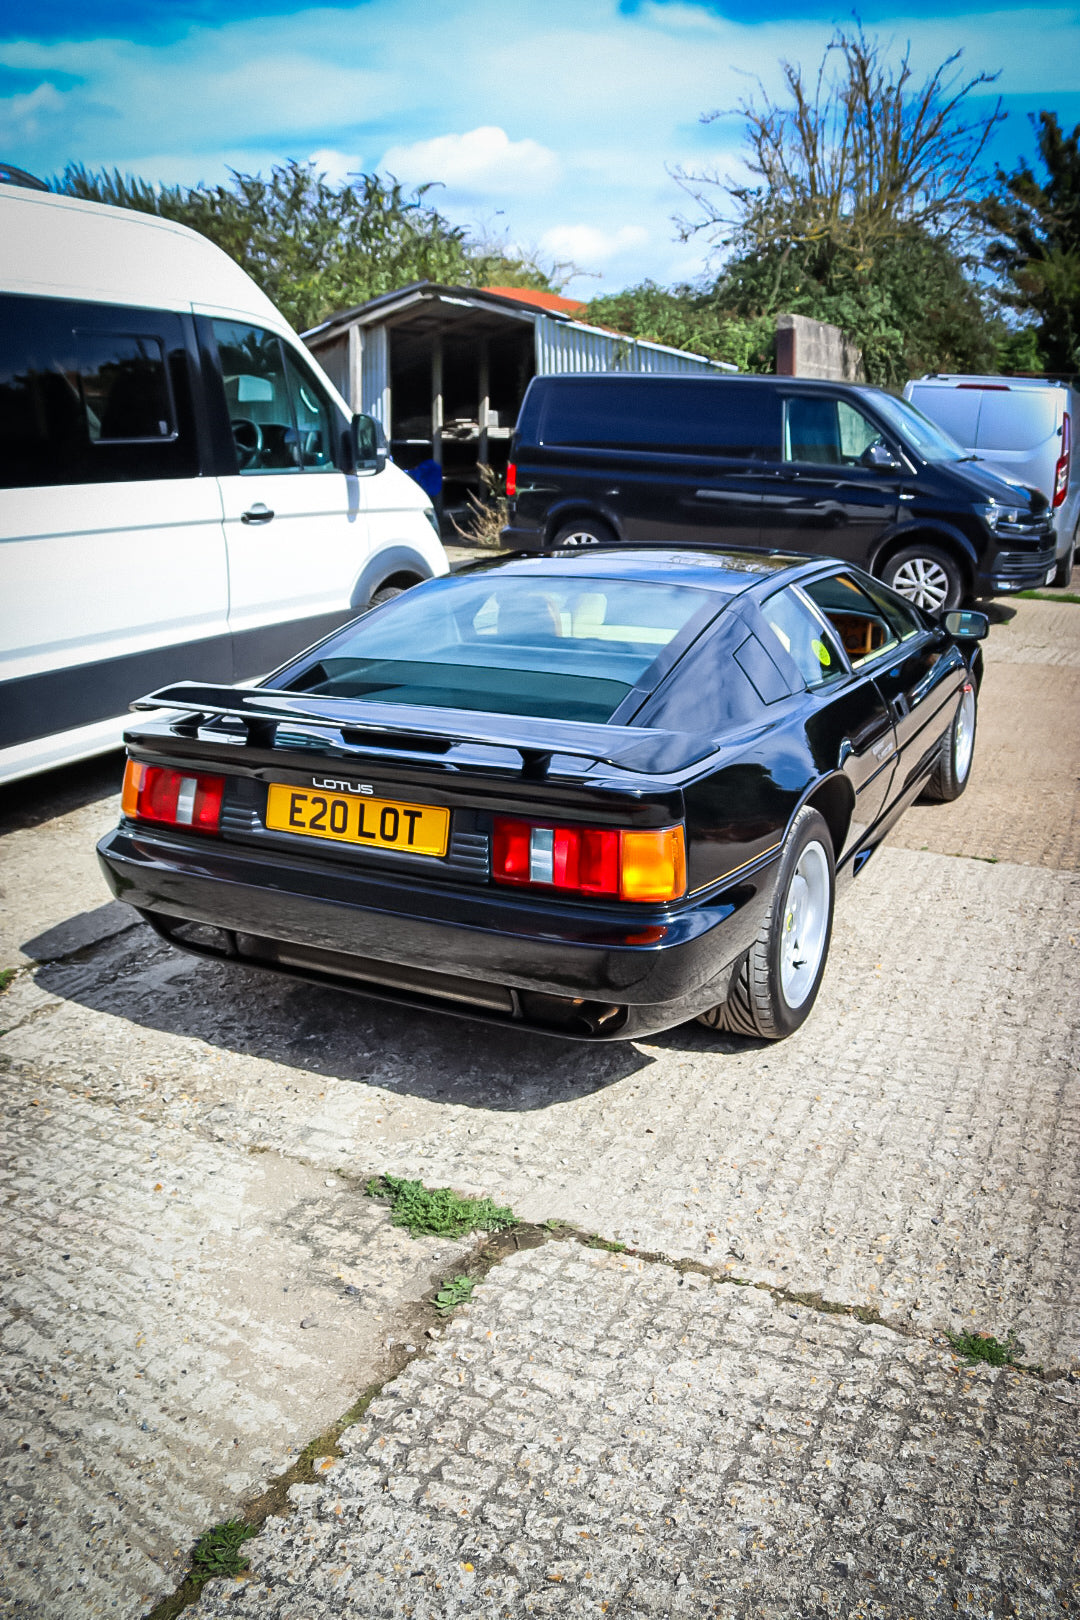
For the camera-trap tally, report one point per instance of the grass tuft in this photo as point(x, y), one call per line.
point(438, 1211)
point(6, 976)
point(984, 1347)
point(1049, 596)
point(217, 1551)
point(456, 1291)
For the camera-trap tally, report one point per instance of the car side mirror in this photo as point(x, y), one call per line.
point(881, 457)
point(369, 444)
point(964, 625)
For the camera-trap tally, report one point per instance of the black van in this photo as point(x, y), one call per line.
point(836, 468)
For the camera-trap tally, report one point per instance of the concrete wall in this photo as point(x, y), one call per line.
point(808, 348)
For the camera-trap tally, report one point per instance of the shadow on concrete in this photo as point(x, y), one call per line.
point(104, 961)
point(42, 798)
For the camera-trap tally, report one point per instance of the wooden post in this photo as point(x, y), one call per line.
point(355, 369)
point(485, 400)
point(436, 397)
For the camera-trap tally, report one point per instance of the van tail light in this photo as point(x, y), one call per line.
point(511, 480)
point(172, 798)
point(1061, 471)
point(613, 862)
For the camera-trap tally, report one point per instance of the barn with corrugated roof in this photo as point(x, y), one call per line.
point(444, 369)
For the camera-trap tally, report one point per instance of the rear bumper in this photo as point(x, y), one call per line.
point(488, 955)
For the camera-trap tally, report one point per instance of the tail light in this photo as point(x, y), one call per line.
point(613, 862)
point(172, 798)
point(511, 480)
point(1061, 471)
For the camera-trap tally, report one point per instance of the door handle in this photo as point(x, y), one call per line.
point(257, 514)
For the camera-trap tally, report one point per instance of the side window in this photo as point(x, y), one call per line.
point(903, 617)
point(859, 622)
point(826, 432)
point(258, 399)
point(814, 650)
point(124, 387)
point(315, 420)
point(707, 416)
point(92, 394)
point(857, 433)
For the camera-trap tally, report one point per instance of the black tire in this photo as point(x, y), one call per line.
point(952, 773)
point(1064, 571)
point(386, 593)
point(927, 576)
point(586, 531)
point(760, 1000)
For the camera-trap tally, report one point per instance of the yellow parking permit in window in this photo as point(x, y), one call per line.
point(824, 656)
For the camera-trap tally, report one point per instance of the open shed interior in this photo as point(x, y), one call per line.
point(457, 379)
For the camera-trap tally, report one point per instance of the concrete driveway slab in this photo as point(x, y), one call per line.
point(177, 1321)
point(912, 1148)
point(601, 1436)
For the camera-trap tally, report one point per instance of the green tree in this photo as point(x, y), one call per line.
point(1036, 246)
point(686, 318)
point(858, 211)
point(315, 248)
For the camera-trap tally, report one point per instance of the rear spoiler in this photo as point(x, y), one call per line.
point(263, 709)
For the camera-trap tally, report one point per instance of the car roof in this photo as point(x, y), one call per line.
point(728, 572)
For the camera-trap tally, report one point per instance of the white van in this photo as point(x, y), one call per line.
point(182, 491)
point(1020, 428)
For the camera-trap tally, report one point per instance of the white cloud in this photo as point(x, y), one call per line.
point(586, 245)
point(483, 163)
point(27, 117)
point(567, 115)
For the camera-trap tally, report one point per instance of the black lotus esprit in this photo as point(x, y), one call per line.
point(595, 794)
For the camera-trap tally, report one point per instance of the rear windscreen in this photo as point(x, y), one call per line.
point(561, 648)
point(954, 409)
point(707, 416)
point(1017, 419)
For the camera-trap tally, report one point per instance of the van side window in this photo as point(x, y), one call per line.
point(92, 393)
point(807, 642)
point(314, 419)
point(827, 432)
point(281, 421)
point(707, 416)
point(124, 387)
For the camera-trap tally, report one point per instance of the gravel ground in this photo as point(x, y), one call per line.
point(194, 1285)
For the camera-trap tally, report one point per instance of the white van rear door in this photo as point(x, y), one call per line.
point(295, 526)
point(1019, 434)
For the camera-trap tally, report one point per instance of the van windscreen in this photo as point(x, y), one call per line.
point(703, 416)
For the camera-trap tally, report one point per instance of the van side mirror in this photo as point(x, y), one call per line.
point(369, 444)
point(880, 456)
point(964, 625)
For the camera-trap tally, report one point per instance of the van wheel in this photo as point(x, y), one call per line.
point(926, 576)
point(386, 593)
point(584, 532)
point(1063, 574)
point(776, 983)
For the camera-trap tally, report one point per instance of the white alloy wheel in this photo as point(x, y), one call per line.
point(805, 927)
point(964, 735)
point(923, 581)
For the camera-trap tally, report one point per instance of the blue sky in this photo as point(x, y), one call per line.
point(553, 123)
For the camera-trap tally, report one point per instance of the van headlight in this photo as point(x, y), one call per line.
point(1003, 517)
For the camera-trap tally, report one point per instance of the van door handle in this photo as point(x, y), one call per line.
point(257, 514)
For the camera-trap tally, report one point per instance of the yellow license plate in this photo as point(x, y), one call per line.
point(418, 829)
